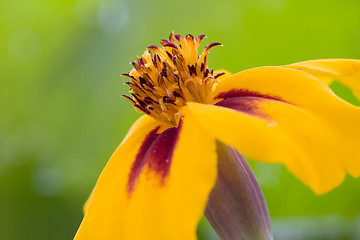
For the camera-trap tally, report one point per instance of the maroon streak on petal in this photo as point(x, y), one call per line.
point(161, 151)
point(139, 162)
point(246, 93)
point(249, 105)
point(155, 154)
point(246, 101)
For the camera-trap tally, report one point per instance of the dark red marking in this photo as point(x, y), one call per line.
point(245, 101)
point(167, 100)
point(249, 105)
point(176, 94)
point(219, 74)
point(139, 162)
point(148, 100)
point(170, 35)
point(128, 75)
point(129, 98)
point(211, 45)
point(206, 73)
point(142, 81)
point(192, 69)
point(153, 47)
point(246, 93)
point(153, 59)
point(201, 37)
point(178, 37)
point(156, 153)
point(160, 153)
point(170, 44)
point(125, 74)
point(189, 36)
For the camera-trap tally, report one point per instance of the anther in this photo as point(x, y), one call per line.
point(167, 77)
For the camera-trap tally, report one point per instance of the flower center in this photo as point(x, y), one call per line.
point(164, 79)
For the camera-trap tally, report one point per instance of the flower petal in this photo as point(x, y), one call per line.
point(155, 186)
point(345, 71)
point(280, 115)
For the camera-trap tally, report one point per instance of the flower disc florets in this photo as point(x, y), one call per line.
point(164, 79)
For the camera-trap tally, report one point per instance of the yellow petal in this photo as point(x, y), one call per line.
point(345, 71)
point(156, 205)
point(287, 116)
point(86, 205)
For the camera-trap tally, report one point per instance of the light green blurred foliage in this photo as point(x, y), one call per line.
point(62, 114)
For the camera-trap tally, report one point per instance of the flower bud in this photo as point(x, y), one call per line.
point(236, 208)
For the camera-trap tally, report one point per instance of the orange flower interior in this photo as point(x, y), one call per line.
point(164, 79)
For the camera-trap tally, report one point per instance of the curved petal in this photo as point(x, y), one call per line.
point(286, 116)
point(155, 186)
point(345, 71)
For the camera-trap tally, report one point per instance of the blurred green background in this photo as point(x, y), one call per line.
point(62, 114)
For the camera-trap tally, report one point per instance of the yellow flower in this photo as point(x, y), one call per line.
point(157, 183)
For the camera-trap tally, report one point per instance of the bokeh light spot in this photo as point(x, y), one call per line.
point(47, 181)
point(113, 16)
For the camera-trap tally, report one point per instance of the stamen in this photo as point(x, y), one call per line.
point(164, 79)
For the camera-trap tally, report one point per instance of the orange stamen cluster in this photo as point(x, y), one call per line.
point(164, 79)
